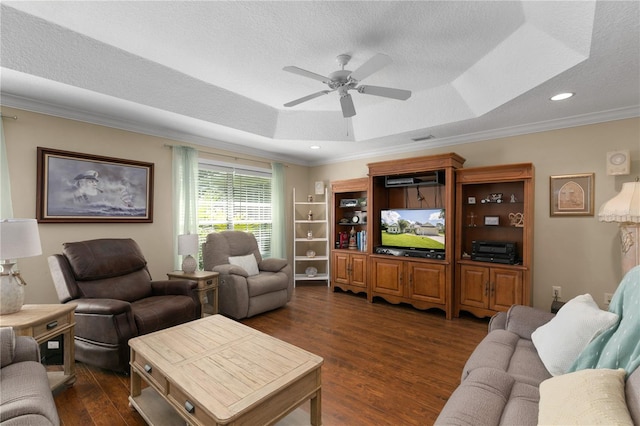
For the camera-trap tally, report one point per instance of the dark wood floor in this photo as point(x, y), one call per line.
point(383, 364)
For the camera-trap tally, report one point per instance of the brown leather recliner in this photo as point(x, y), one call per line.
point(117, 300)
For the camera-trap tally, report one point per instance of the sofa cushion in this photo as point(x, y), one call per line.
point(560, 341)
point(130, 287)
point(25, 396)
point(490, 397)
point(507, 352)
point(586, 397)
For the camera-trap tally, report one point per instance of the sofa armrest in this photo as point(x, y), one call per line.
point(498, 321)
point(17, 348)
point(27, 349)
point(272, 264)
point(105, 321)
point(524, 320)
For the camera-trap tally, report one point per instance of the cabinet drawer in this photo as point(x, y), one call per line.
point(149, 372)
point(187, 406)
point(50, 326)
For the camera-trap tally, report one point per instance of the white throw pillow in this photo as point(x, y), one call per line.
point(560, 341)
point(585, 397)
point(248, 263)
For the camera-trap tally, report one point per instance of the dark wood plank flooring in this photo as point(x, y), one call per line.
point(383, 364)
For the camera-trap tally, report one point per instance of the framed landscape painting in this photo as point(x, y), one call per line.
point(572, 195)
point(75, 187)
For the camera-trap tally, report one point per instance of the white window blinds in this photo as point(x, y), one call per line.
point(231, 198)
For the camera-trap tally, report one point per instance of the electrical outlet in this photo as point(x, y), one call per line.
point(607, 298)
point(557, 291)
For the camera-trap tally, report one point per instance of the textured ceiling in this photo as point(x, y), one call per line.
point(211, 72)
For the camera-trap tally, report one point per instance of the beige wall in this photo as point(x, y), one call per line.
point(580, 254)
point(32, 130)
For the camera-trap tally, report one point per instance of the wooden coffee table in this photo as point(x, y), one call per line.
point(216, 371)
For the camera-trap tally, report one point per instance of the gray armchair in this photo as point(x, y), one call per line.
point(246, 287)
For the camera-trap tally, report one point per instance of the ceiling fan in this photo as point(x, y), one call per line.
point(345, 80)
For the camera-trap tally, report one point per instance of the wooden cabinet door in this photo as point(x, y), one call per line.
point(506, 289)
point(474, 286)
point(359, 270)
point(340, 268)
point(426, 282)
point(386, 276)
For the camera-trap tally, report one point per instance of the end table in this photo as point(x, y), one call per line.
point(43, 323)
point(207, 282)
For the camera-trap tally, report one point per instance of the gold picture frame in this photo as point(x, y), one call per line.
point(571, 195)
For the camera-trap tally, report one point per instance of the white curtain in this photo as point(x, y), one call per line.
point(185, 196)
point(278, 200)
point(6, 208)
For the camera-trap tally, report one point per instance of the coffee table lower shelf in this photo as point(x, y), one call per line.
point(156, 411)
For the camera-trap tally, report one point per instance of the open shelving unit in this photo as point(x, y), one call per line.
point(310, 237)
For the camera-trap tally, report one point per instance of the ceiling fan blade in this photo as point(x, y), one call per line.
point(306, 73)
point(348, 110)
point(374, 64)
point(307, 98)
point(386, 92)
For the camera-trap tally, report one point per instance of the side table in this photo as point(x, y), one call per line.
point(207, 283)
point(43, 323)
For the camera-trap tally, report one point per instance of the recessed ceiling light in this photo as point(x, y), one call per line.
point(315, 147)
point(562, 96)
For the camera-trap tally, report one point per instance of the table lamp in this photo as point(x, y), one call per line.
point(18, 238)
point(188, 245)
point(624, 208)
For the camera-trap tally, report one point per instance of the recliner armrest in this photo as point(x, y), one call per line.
point(230, 270)
point(169, 287)
point(102, 306)
point(272, 264)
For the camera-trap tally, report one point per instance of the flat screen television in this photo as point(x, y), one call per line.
point(416, 229)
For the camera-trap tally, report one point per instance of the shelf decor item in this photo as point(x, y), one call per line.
point(311, 253)
point(311, 271)
point(492, 220)
point(571, 195)
point(20, 238)
point(516, 219)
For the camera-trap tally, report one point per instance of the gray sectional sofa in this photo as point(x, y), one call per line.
point(501, 379)
point(25, 396)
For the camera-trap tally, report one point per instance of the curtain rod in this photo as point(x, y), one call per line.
point(13, 117)
point(235, 157)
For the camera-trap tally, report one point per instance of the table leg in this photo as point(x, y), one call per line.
point(316, 409)
point(69, 355)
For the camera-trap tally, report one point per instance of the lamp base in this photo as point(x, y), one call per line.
point(629, 239)
point(189, 264)
point(11, 293)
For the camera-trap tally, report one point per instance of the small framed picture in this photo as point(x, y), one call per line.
point(571, 195)
point(492, 220)
point(471, 200)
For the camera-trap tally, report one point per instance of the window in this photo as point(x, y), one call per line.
point(233, 198)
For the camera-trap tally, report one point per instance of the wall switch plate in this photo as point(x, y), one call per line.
point(556, 291)
point(607, 298)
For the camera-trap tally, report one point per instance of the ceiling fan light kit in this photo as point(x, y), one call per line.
point(345, 80)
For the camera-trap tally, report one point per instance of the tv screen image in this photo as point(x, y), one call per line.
point(421, 229)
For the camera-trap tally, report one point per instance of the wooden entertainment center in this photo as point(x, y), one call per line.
point(446, 278)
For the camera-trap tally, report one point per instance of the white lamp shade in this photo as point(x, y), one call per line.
point(624, 207)
point(19, 238)
point(187, 244)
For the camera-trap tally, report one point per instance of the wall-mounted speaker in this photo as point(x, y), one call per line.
point(618, 162)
